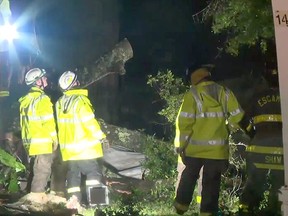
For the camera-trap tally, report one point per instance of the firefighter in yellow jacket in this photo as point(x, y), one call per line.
point(264, 154)
point(79, 134)
point(38, 129)
point(202, 129)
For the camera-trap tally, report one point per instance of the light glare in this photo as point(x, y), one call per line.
point(8, 32)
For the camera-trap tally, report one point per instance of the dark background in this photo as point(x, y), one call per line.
point(163, 36)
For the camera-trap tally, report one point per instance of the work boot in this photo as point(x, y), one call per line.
point(179, 208)
point(180, 212)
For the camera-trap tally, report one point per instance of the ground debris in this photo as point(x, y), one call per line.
point(45, 205)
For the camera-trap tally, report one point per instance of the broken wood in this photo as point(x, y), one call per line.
point(112, 62)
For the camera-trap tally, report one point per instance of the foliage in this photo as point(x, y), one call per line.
point(10, 161)
point(246, 23)
point(170, 89)
point(121, 206)
point(126, 204)
point(232, 180)
point(160, 160)
point(160, 200)
point(9, 167)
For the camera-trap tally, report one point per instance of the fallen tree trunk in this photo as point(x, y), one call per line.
point(112, 62)
point(119, 136)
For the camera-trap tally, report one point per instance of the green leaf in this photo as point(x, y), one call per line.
point(13, 183)
point(10, 161)
point(245, 22)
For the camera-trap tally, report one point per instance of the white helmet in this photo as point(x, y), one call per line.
point(33, 75)
point(66, 80)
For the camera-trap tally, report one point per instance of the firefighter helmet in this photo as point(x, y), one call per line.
point(196, 73)
point(66, 80)
point(33, 75)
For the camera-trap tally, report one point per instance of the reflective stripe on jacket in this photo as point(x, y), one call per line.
point(79, 132)
point(264, 118)
point(201, 124)
point(37, 122)
point(265, 156)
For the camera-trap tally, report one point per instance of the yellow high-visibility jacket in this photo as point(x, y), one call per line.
point(205, 116)
point(78, 130)
point(37, 122)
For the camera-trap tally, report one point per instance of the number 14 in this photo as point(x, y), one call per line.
point(281, 18)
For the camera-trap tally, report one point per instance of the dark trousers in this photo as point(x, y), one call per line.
point(41, 172)
point(44, 168)
point(89, 168)
point(58, 173)
point(212, 170)
point(260, 180)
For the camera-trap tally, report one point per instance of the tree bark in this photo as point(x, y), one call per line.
point(112, 62)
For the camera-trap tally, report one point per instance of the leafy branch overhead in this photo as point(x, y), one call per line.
point(169, 89)
point(244, 22)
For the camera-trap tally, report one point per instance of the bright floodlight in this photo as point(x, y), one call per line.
point(8, 32)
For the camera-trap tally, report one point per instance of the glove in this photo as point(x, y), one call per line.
point(55, 145)
point(178, 150)
point(105, 144)
point(181, 152)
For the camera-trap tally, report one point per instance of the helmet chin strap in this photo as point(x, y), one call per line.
point(42, 84)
